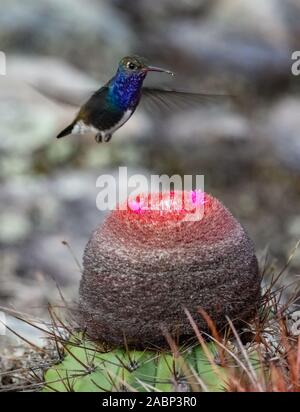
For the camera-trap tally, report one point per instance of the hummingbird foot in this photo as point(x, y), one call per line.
point(103, 137)
point(107, 137)
point(99, 137)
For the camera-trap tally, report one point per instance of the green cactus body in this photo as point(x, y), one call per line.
point(86, 368)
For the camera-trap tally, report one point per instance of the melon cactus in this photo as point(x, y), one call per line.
point(154, 276)
point(148, 263)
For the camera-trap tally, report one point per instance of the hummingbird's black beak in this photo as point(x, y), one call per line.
point(158, 69)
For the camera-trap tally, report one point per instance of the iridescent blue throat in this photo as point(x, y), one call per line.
point(124, 90)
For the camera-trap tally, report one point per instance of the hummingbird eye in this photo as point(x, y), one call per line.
point(131, 66)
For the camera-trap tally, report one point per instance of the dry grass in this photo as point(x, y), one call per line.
point(263, 356)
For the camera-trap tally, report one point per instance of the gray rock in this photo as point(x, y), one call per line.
point(15, 227)
point(37, 214)
point(161, 11)
point(25, 127)
point(207, 125)
point(241, 41)
point(70, 28)
point(282, 129)
point(29, 123)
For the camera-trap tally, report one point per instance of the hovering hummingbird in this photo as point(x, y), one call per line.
point(113, 104)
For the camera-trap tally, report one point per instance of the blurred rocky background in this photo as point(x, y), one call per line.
point(248, 152)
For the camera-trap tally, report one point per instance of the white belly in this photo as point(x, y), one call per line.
point(81, 128)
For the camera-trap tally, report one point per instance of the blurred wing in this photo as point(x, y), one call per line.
point(74, 97)
point(159, 100)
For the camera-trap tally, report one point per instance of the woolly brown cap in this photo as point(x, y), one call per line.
point(141, 269)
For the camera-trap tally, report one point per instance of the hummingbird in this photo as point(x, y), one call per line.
point(112, 105)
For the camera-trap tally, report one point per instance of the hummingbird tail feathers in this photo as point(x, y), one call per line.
point(66, 131)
